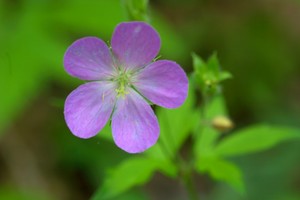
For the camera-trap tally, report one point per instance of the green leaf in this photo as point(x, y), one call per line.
point(22, 58)
point(222, 170)
point(131, 172)
point(216, 107)
point(214, 65)
point(92, 17)
point(225, 75)
point(12, 193)
point(198, 63)
point(174, 128)
point(132, 195)
point(207, 136)
point(200, 69)
point(136, 9)
point(205, 142)
point(255, 138)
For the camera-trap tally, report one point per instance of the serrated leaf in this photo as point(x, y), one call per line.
point(131, 172)
point(222, 170)
point(254, 139)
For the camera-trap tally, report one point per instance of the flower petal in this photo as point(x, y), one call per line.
point(88, 108)
point(134, 124)
point(89, 59)
point(163, 82)
point(135, 44)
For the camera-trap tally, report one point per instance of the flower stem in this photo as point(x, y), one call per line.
point(165, 150)
point(186, 171)
point(188, 182)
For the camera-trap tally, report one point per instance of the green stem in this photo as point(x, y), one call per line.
point(165, 150)
point(188, 182)
point(186, 175)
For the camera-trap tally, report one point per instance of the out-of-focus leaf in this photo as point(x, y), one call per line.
point(166, 167)
point(170, 40)
point(216, 107)
point(205, 142)
point(207, 136)
point(175, 126)
point(22, 62)
point(136, 9)
point(131, 172)
point(132, 195)
point(198, 63)
point(199, 67)
point(88, 17)
point(225, 75)
point(213, 65)
point(255, 138)
point(10, 193)
point(222, 170)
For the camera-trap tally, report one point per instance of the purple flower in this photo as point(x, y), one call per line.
point(123, 79)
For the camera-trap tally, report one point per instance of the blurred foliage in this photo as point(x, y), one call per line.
point(257, 41)
point(137, 10)
point(10, 193)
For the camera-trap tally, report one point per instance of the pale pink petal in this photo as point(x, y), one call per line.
point(135, 44)
point(163, 82)
point(89, 59)
point(88, 108)
point(134, 124)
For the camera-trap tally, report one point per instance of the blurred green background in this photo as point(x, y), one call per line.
point(257, 41)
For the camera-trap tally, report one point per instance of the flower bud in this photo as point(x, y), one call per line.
point(222, 123)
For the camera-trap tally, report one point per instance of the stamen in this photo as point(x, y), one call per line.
point(123, 83)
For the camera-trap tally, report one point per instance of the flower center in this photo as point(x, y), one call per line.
point(123, 81)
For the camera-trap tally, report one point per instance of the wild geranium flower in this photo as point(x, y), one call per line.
point(123, 79)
